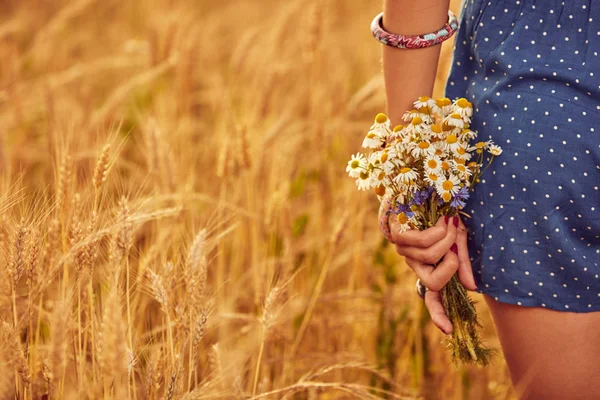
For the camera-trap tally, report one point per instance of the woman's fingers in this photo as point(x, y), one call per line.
point(465, 271)
point(435, 278)
point(415, 238)
point(434, 253)
point(433, 302)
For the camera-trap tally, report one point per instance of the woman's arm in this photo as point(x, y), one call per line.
point(410, 73)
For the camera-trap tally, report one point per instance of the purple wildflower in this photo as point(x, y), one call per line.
point(402, 208)
point(421, 196)
point(460, 198)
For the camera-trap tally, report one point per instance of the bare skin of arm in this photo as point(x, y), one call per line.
point(409, 74)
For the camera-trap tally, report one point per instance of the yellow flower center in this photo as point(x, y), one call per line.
point(460, 161)
point(381, 118)
point(364, 175)
point(472, 164)
point(451, 139)
point(424, 145)
point(480, 145)
point(447, 185)
point(371, 135)
point(461, 150)
point(463, 103)
point(439, 152)
point(416, 121)
point(384, 157)
point(381, 175)
point(445, 166)
point(433, 177)
point(461, 167)
point(456, 116)
point(443, 101)
point(405, 170)
point(398, 128)
point(423, 99)
point(355, 164)
point(402, 218)
point(380, 190)
point(435, 128)
point(432, 164)
point(446, 196)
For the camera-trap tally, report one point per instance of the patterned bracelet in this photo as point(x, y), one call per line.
point(414, 41)
point(385, 208)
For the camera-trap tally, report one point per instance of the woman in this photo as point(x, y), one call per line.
point(532, 71)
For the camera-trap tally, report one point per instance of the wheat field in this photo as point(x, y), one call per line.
point(175, 218)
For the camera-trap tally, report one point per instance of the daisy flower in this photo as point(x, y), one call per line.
point(461, 152)
point(473, 166)
point(461, 170)
point(463, 107)
point(480, 146)
point(417, 117)
point(381, 190)
point(364, 181)
point(448, 188)
point(440, 148)
point(424, 101)
point(451, 143)
point(381, 124)
point(398, 131)
point(404, 221)
point(417, 124)
point(495, 150)
point(467, 135)
point(436, 131)
point(373, 140)
point(432, 164)
point(455, 120)
point(406, 175)
point(442, 106)
point(381, 160)
point(356, 165)
point(433, 178)
point(423, 149)
point(446, 166)
point(409, 187)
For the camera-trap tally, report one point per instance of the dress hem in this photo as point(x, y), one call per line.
point(535, 302)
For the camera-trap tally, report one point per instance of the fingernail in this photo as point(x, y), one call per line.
point(455, 222)
point(454, 249)
point(446, 218)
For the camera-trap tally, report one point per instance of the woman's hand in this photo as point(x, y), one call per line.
point(446, 243)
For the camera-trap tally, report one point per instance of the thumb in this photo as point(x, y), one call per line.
point(465, 270)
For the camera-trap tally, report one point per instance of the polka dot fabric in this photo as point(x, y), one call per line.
point(532, 71)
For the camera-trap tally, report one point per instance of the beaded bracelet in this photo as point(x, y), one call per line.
point(413, 41)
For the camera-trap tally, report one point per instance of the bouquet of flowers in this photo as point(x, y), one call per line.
point(425, 169)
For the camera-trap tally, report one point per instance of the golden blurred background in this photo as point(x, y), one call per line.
point(176, 221)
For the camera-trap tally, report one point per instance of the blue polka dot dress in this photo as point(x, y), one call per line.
point(532, 71)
